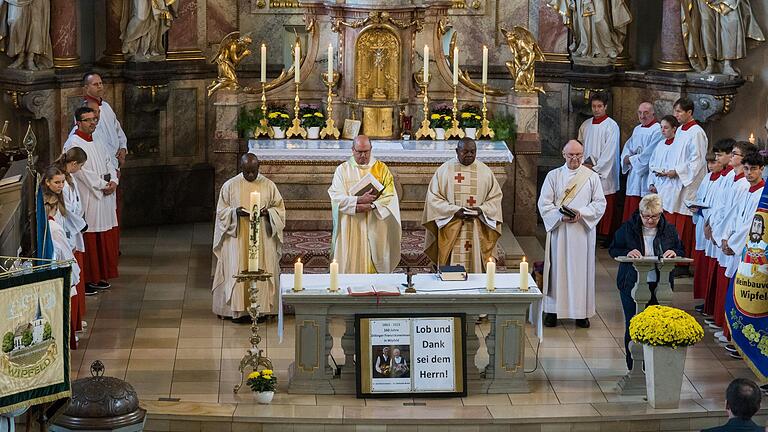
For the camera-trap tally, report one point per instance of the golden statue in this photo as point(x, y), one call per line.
point(233, 49)
point(525, 53)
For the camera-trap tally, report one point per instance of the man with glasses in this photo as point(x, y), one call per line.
point(571, 204)
point(637, 154)
point(366, 213)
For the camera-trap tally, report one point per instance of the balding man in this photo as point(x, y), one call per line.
point(571, 204)
point(636, 155)
point(231, 241)
point(462, 211)
point(366, 213)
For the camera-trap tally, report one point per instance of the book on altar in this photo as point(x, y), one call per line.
point(365, 184)
point(373, 290)
point(690, 204)
point(453, 273)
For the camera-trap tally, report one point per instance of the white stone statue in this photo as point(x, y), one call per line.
point(143, 24)
point(598, 26)
point(716, 33)
point(25, 33)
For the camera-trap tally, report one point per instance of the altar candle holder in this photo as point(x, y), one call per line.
point(454, 131)
point(263, 129)
point(330, 130)
point(296, 130)
point(425, 131)
point(254, 355)
point(485, 131)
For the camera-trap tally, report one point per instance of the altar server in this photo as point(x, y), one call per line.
point(110, 130)
point(569, 263)
point(462, 211)
point(231, 241)
point(704, 195)
point(637, 154)
point(600, 136)
point(96, 182)
point(366, 227)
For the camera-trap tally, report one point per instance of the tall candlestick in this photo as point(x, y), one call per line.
point(253, 255)
point(330, 62)
point(485, 64)
point(426, 64)
point(296, 63)
point(490, 272)
point(263, 63)
point(334, 270)
point(752, 137)
point(524, 275)
point(455, 66)
point(298, 274)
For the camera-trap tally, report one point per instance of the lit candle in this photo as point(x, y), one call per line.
point(253, 259)
point(455, 66)
point(263, 63)
point(298, 273)
point(426, 64)
point(330, 63)
point(490, 272)
point(334, 276)
point(752, 137)
point(524, 275)
point(296, 63)
point(485, 64)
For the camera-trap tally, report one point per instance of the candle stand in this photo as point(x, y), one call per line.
point(296, 130)
point(330, 130)
point(253, 356)
point(425, 131)
point(454, 131)
point(485, 131)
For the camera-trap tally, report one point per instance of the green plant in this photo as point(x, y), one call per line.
point(441, 117)
point(469, 117)
point(26, 338)
point(7, 342)
point(248, 120)
point(263, 381)
point(311, 116)
point(504, 127)
point(277, 116)
point(47, 331)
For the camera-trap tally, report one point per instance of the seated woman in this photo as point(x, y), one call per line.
point(646, 233)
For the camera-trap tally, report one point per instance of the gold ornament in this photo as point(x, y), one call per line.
point(525, 53)
point(232, 50)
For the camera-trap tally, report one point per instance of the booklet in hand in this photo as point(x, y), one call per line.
point(366, 184)
point(590, 161)
point(567, 211)
point(690, 204)
point(470, 212)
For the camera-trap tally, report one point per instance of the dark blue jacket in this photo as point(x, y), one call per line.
point(630, 236)
point(737, 425)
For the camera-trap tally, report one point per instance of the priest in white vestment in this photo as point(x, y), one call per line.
point(636, 155)
point(366, 227)
point(231, 241)
point(462, 211)
point(600, 136)
point(569, 263)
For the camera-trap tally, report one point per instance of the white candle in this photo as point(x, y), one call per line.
point(752, 138)
point(334, 276)
point(485, 64)
point(298, 273)
point(490, 272)
point(263, 63)
point(255, 205)
point(524, 275)
point(426, 64)
point(330, 63)
point(455, 66)
point(296, 63)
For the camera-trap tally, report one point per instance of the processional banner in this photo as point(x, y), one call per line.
point(34, 324)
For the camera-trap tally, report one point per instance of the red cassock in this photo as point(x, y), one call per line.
point(605, 226)
point(631, 204)
point(102, 249)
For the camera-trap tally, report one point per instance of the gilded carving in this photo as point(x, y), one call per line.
point(232, 50)
point(525, 53)
point(377, 17)
point(377, 68)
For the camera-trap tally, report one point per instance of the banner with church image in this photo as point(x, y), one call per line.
point(34, 326)
point(746, 304)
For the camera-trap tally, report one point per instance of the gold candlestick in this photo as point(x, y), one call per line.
point(454, 131)
point(296, 130)
point(254, 356)
point(425, 131)
point(330, 130)
point(485, 131)
point(263, 129)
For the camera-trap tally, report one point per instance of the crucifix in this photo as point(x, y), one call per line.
point(379, 54)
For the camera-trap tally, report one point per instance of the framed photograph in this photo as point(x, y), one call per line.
point(405, 355)
point(351, 129)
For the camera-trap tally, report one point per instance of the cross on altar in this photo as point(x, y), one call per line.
point(467, 246)
point(459, 178)
point(471, 201)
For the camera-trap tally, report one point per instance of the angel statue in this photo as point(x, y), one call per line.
point(233, 49)
point(525, 53)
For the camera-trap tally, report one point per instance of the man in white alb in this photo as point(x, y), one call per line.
point(636, 155)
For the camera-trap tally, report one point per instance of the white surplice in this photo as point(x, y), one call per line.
point(74, 222)
point(733, 192)
point(704, 196)
point(639, 147)
point(569, 286)
point(694, 141)
point(715, 197)
point(669, 156)
point(601, 141)
point(739, 225)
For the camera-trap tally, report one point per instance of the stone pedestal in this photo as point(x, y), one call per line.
point(182, 37)
point(673, 56)
point(526, 151)
point(113, 53)
point(64, 34)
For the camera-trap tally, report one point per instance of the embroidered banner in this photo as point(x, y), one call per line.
point(34, 326)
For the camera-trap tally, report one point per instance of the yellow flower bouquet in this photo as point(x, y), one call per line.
point(277, 116)
point(665, 326)
point(262, 381)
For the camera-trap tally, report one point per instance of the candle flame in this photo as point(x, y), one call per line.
point(334, 261)
point(298, 260)
point(263, 45)
point(523, 258)
point(490, 259)
point(752, 137)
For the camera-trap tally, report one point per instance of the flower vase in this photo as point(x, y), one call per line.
point(265, 398)
point(470, 132)
point(664, 374)
point(440, 133)
point(313, 132)
point(279, 133)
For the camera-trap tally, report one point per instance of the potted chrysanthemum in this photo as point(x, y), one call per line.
point(313, 119)
point(665, 333)
point(440, 120)
point(278, 119)
point(263, 383)
point(470, 119)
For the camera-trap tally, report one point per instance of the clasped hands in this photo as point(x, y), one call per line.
point(242, 212)
point(365, 201)
point(461, 214)
point(110, 189)
point(634, 253)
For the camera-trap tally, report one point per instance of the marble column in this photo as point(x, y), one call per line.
point(64, 34)
point(182, 37)
point(527, 148)
point(113, 53)
point(673, 55)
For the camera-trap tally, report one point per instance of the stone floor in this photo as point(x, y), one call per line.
point(154, 328)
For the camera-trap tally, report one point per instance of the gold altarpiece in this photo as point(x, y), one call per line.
point(377, 78)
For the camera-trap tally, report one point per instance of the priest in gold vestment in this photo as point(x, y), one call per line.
point(230, 241)
point(366, 228)
point(462, 212)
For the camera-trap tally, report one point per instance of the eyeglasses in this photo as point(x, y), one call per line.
point(650, 217)
point(360, 152)
point(573, 156)
point(90, 120)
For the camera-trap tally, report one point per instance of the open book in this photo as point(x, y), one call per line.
point(690, 204)
point(373, 290)
point(365, 184)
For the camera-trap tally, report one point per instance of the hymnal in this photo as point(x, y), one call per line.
point(365, 184)
point(567, 211)
point(453, 273)
point(470, 212)
point(690, 204)
point(373, 290)
point(590, 161)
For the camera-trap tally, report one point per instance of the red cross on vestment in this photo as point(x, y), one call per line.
point(471, 201)
point(467, 246)
point(459, 178)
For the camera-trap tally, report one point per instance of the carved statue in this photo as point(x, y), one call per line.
point(143, 24)
point(25, 33)
point(716, 33)
point(233, 49)
point(525, 52)
point(598, 26)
